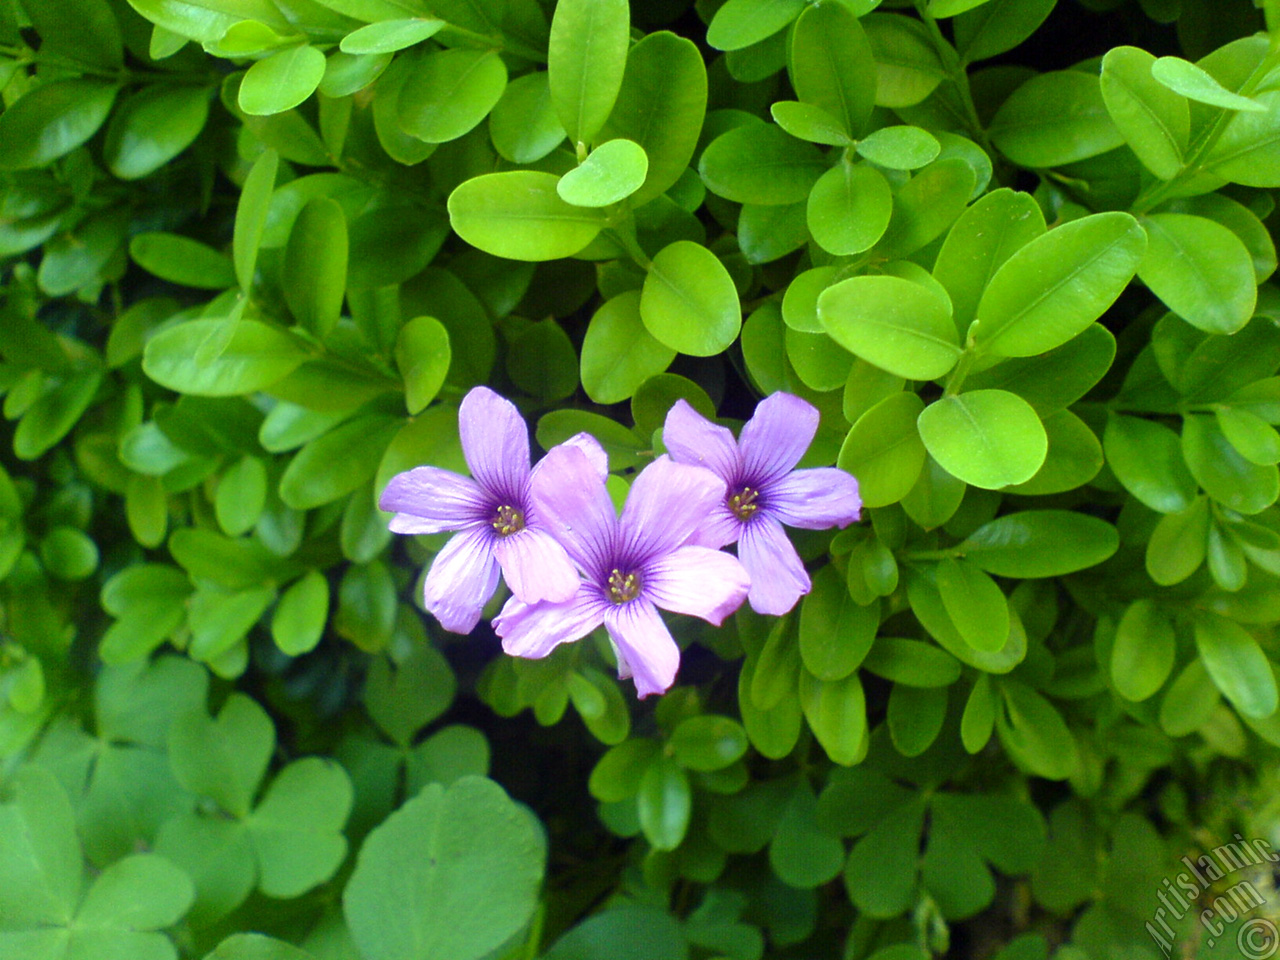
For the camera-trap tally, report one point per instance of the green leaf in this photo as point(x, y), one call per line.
point(760, 163)
point(985, 236)
point(1154, 121)
point(585, 63)
point(689, 302)
point(1056, 285)
point(520, 215)
point(523, 123)
point(661, 106)
point(832, 66)
point(1054, 119)
point(300, 617)
point(914, 717)
point(975, 603)
point(1239, 668)
point(1034, 733)
point(423, 356)
point(452, 874)
point(51, 121)
point(241, 497)
point(1074, 457)
point(849, 208)
point(140, 892)
point(1200, 269)
point(281, 81)
point(388, 36)
point(1253, 438)
point(708, 742)
point(450, 92)
point(802, 853)
point(884, 451)
point(296, 831)
point(900, 147)
point(665, 803)
point(1195, 83)
point(835, 632)
point(225, 758)
point(182, 260)
point(152, 127)
point(612, 172)
point(805, 121)
point(1040, 543)
point(935, 497)
point(898, 325)
point(315, 262)
point(1190, 701)
point(881, 871)
point(1245, 152)
point(616, 775)
point(83, 31)
point(1143, 652)
point(927, 204)
point(907, 64)
point(1146, 458)
point(256, 356)
point(1177, 545)
point(837, 714)
point(657, 395)
point(54, 412)
point(618, 353)
point(979, 719)
point(1056, 379)
point(997, 26)
point(912, 662)
point(1224, 474)
point(626, 931)
point(40, 861)
point(741, 23)
point(338, 462)
point(255, 946)
point(252, 212)
point(988, 438)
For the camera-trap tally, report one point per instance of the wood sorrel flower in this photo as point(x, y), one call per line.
point(497, 523)
point(630, 565)
point(762, 491)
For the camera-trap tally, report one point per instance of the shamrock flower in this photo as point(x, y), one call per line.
point(630, 566)
point(761, 491)
point(496, 521)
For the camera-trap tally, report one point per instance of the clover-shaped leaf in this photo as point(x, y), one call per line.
point(224, 758)
point(41, 879)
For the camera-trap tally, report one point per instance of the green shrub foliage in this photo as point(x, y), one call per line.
point(1017, 253)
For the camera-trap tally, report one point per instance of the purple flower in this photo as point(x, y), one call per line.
point(630, 566)
point(762, 491)
point(497, 523)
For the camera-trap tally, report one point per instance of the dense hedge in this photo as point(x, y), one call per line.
point(1014, 252)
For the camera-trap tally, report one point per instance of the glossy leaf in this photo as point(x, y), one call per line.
point(1146, 458)
point(613, 171)
point(281, 81)
point(521, 216)
point(1154, 121)
point(898, 325)
point(832, 66)
point(849, 208)
point(689, 302)
point(51, 121)
point(1200, 269)
point(585, 63)
point(759, 163)
point(884, 451)
point(1040, 543)
point(1054, 119)
point(1143, 652)
point(988, 438)
point(449, 93)
point(1237, 665)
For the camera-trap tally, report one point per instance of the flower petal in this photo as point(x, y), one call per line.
point(697, 581)
point(569, 497)
point(536, 567)
point(431, 500)
point(778, 577)
point(719, 528)
point(668, 503)
point(646, 651)
point(776, 437)
point(815, 499)
point(461, 580)
point(692, 438)
point(534, 630)
point(591, 447)
point(495, 442)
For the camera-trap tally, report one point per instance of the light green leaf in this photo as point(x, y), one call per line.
point(927, 204)
point(908, 68)
point(689, 302)
point(182, 260)
point(618, 353)
point(388, 36)
point(664, 803)
point(900, 147)
point(835, 632)
point(708, 742)
point(1224, 474)
point(975, 603)
point(997, 26)
point(1194, 83)
point(520, 215)
point(837, 714)
point(1054, 119)
point(898, 325)
point(612, 172)
point(1177, 545)
point(296, 831)
point(315, 262)
point(832, 65)
point(988, 438)
point(337, 462)
point(51, 121)
point(585, 63)
point(1040, 543)
point(759, 163)
point(450, 92)
point(1057, 284)
point(740, 23)
point(225, 758)
point(252, 212)
point(805, 121)
point(1146, 458)
point(300, 617)
point(523, 123)
point(1200, 269)
point(1154, 121)
point(884, 451)
point(1237, 665)
point(152, 127)
point(849, 208)
point(1253, 438)
point(281, 81)
point(1143, 652)
point(255, 357)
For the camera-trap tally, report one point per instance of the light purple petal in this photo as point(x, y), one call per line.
point(776, 437)
point(720, 528)
point(815, 499)
point(591, 447)
point(534, 630)
point(570, 499)
point(536, 567)
point(431, 500)
point(778, 578)
point(461, 580)
point(646, 651)
point(668, 503)
point(697, 581)
point(692, 438)
point(495, 442)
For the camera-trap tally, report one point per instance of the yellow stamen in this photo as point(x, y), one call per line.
point(623, 589)
point(507, 520)
point(743, 504)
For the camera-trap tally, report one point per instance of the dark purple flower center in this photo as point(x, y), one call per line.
point(623, 588)
point(743, 503)
point(507, 520)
